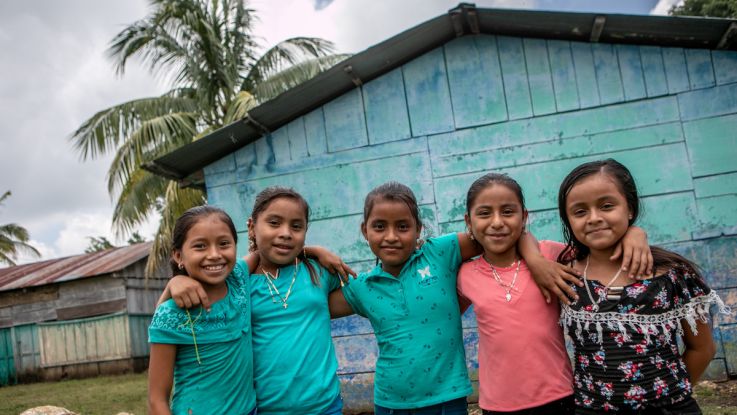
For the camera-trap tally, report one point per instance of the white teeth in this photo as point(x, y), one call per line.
point(214, 267)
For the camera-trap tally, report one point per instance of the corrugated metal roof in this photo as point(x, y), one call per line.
point(185, 164)
point(73, 267)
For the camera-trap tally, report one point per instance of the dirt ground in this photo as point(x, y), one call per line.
point(714, 398)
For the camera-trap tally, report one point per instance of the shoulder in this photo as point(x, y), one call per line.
point(168, 316)
point(444, 246)
point(551, 249)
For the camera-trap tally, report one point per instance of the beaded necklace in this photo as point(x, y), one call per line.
point(270, 278)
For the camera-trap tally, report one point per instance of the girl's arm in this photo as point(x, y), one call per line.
point(160, 377)
point(469, 247)
point(186, 292)
point(700, 349)
point(338, 305)
point(550, 276)
point(331, 262)
point(634, 249)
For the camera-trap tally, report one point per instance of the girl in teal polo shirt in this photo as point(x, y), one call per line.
point(295, 368)
point(207, 357)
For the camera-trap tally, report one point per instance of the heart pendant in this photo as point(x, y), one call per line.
point(508, 297)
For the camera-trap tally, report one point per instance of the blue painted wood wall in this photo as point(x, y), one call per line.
point(528, 107)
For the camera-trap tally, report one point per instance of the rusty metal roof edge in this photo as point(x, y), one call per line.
point(392, 53)
point(72, 267)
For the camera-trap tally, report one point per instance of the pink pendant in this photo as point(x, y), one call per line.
point(508, 297)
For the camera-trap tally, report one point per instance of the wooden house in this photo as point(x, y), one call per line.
point(78, 316)
point(528, 93)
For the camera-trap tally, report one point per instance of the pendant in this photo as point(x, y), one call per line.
point(508, 297)
point(285, 306)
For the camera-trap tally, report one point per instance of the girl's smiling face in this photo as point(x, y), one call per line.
point(280, 231)
point(496, 221)
point(598, 212)
point(391, 231)
point(208, 252)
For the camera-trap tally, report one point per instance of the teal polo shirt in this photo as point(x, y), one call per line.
point(417, 323)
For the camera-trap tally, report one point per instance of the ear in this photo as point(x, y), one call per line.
point(176, 255)
point(525, 217)
point(467, 219)
point(363, 230)
point(249, 224)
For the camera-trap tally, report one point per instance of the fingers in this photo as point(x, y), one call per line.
point(650, 263)
point(567, 293)
point(350, 271)
point(617, 252)
point(571, 275)
point(202, 297)
point(546, 294)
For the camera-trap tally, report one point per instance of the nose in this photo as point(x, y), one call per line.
point(496, 221)
point(285, 232)
point(391, 235)
point(213, 252)
point(594, 216)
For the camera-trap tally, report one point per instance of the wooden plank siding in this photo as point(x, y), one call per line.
point(528, 107)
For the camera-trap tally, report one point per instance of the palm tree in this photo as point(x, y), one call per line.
point(13, 240)
point(206, 51)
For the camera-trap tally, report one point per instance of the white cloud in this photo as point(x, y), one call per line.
point(664, 6)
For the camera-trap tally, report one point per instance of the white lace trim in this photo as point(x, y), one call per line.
point(648, 324)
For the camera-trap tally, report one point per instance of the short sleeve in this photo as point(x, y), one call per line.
point(351, 292)
point(170, 325)
point(551, 249)
point(328, 280)
point(688, 285)
point(444, 251)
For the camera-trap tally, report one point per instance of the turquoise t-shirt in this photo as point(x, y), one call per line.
point(295, 369)
point(223, 382)
point(417, 324)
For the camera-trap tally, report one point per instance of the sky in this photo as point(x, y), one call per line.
point(54, 75)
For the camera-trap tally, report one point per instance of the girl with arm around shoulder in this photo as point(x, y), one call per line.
point(624, 334)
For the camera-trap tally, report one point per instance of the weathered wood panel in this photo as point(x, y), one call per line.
point(91, 309)
point(88, 340)
point(539, 76)
point(653, 70)
point(27, 349)
point(475, 79)
point(297, 139)
point(709, 102)
point(608, 76)
point(700, 71)
point(630, 65)
point(675, 70)
point(345, 123)
point(7, 361)
point(712, 144)
point(564, 75)
point(514, 75)
point(583, 60)
point(428, 97)
point(280, 144)
point(387, 118)
point(725, 66)
point(317, 140)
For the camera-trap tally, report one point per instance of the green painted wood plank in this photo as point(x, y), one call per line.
point(630, 66)
point(708, 102)
point(349, 183)
point(712, 144)
point(539, 76)
point(264, 151)
point(386, 108)
point(514, 74)
point(583, 59)
point(718, 212)
point(656, 83)
point(475, 80)
point(297, 140)
point(280, 145)
point(317, 141)
point(564, 75)
point(675, 70)
point(700, 70)
point(558, 149)
point(725, 66)
point(608, 77)
point(225, 164)
point(651, 166)
point(546, 225)
point(345, 123)
point(668, 218)
point(428, 97)
point(557, 126)
point(721, 184)
point(228, 198)
point(245, 156)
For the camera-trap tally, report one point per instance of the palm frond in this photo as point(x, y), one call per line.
point(239, 106)
point(293, 76)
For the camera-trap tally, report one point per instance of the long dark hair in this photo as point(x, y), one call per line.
point(621, 176)
point(489, 179)
point(262, 202)
point(190, 218)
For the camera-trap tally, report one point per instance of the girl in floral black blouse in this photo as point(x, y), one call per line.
point(625, 336)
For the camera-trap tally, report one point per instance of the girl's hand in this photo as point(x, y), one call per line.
point(552, 277)
point(635, 252)
point(330, 262)
point(188, 292)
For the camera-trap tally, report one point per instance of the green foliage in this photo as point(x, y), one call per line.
point(706, 8)
point(14, 240)
point(136, 238)
point(205, 49)
point(97, 244)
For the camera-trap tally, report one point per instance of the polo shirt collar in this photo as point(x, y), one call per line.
point(377, 272)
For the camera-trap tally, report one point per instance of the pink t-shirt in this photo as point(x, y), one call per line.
point(523, 361)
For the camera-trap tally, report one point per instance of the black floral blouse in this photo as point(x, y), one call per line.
point(626, 351)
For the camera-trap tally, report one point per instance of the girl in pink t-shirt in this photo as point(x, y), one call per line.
point(523, 364)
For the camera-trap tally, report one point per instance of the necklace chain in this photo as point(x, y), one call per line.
point(274, 290)
point(595, 304)
point(506, 287)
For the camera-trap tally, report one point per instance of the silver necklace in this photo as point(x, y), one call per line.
point(595, 305)
point(274, 290)
point(507, 287)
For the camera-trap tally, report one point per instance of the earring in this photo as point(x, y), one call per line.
point(181, 266)
point(470, 234)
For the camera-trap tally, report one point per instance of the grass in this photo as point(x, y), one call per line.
point(107, 395)
point(110, 395)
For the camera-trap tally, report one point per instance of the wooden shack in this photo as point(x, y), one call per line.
point(528, 93)
point(78, 316)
